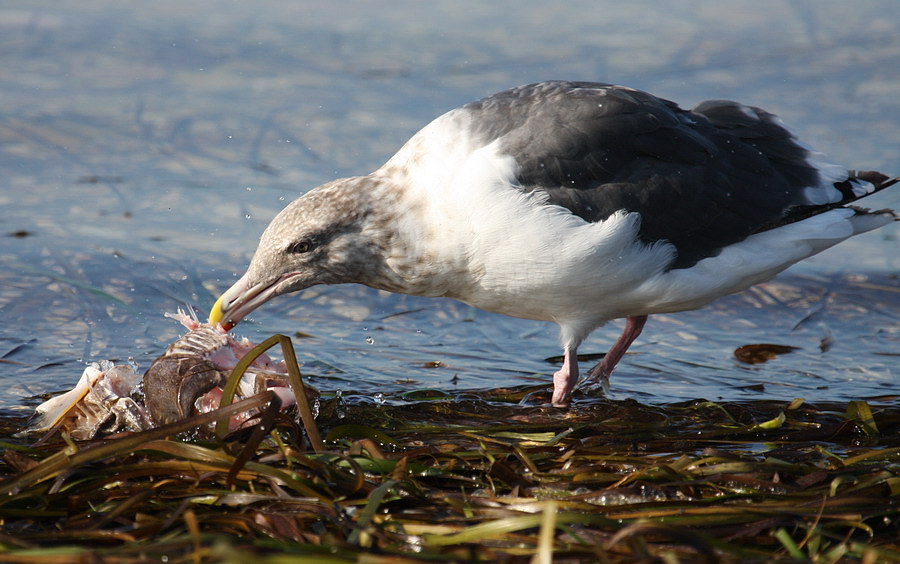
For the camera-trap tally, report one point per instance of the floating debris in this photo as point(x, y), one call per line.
point(762, 352)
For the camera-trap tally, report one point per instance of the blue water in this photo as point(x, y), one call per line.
point(144, 147)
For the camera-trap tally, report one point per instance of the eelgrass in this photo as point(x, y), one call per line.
point(470, 479)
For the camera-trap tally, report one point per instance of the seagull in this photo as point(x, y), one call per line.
point(571, 202)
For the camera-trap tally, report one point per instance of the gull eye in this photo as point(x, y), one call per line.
point(301, 246)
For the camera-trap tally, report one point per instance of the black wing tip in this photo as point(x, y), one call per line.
point(877, 179)
point(862, 183)
point(800, 213)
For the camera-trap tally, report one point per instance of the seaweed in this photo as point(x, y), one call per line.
point(467, 477)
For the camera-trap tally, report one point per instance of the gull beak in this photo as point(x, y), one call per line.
point(241, 299)
point(227, 311)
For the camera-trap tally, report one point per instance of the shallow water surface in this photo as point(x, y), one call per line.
point(144, 148)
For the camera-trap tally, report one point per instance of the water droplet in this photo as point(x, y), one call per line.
point(249, 188)
point(339, 409)
point(370, 340)
point(247, 216)
point(281, 198)
point(378, 397)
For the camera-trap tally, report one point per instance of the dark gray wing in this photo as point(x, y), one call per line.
point(701, 179)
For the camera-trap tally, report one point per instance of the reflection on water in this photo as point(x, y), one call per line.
point(144, 148)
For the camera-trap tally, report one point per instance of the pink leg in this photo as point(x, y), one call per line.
point(565, 378)
point(633, 327)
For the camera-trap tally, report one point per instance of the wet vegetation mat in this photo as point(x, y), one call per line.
point(473, 476)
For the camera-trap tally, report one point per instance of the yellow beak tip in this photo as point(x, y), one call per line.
point(215, 314)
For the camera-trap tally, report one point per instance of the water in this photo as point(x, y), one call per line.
point(144, 147)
